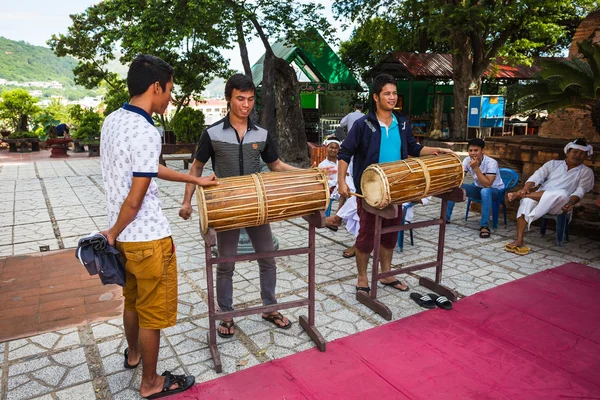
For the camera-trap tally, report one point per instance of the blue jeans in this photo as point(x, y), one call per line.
point(486, 195)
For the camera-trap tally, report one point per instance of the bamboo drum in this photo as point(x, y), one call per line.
point(257, 199)
point(410, 180)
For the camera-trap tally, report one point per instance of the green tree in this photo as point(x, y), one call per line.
point(115, 96)
point(16, 107)
point(183, 33)
point(477, 32)
point(89, 127)
point(572, 83)
point(188, 125)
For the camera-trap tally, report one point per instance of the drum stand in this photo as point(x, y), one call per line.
point(315, 220)
point(392, 211)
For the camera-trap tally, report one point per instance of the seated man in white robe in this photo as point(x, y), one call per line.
point(562, 184)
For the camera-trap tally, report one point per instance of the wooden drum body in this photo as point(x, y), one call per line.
point(257, 199)
point(410, 180)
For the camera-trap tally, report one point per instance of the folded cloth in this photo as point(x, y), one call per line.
point(98, 257)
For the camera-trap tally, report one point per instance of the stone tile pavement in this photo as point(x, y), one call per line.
point(54, 202)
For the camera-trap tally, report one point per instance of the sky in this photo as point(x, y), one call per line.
point(34, 21)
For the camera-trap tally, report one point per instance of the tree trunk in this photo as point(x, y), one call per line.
point(462, 74)
point(291, 136)
point(267, 95)
point(438, 113)
point(241, 40)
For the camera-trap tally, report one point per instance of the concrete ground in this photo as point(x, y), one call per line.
point(54, 202)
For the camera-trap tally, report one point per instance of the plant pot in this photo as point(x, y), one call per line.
point(5, 133)
point(58, 146)
point(94, 149)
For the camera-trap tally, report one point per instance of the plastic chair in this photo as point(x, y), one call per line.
point(562, 226)
point(401, 233)
point(510, 179)
point(328, 211)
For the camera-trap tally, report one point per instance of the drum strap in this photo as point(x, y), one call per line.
point(261, 198)
point(425, 175)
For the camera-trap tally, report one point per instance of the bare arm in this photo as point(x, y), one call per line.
point(168, 174)
point(196, 169)
point(428, 151)
point(129, 208)
point(342, 186)
point(279, 165)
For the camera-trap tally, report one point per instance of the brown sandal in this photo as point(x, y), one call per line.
point(273, 318)
point(349, 252)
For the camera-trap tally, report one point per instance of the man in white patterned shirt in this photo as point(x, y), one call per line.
point(130, 147)
point(562, 184)
point(487, 183)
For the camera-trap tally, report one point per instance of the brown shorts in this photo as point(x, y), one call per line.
point(365, 240)
point(151, 283)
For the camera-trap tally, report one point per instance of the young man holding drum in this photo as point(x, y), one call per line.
point(383, 135)
point(235, 145)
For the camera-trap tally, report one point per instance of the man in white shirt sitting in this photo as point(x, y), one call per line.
point(562, 184)
point(487, 183)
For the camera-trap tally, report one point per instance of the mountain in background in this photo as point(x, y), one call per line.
point(23, 62)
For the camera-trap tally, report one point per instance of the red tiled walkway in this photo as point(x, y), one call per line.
point(50, 291)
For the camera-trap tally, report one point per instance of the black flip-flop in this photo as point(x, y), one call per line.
point(441, 301)
point(484, 232)
point(423, 300)
point(126, 362)
point(332, 227)
point(367, 290)
point(228, 325)
point(394, 283)
point(183, 383)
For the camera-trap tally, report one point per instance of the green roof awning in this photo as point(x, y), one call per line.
point(316, 59)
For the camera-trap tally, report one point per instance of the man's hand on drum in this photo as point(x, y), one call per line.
point(343, 189)
point(185, 211)
point(441, 150)
point(328, 170)
point(210, 180)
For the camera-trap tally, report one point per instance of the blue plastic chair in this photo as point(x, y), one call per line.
point(510, 179)
point(401, 233)
point(562, 226)
point(328, 211)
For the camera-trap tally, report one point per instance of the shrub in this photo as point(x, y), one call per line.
point(188, 125)
point(89, 127)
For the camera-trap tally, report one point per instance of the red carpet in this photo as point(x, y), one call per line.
point(534, 338)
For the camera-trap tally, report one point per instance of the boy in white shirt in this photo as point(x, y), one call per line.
point(487, 185)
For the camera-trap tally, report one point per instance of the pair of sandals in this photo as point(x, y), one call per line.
point(183, 382)
point(273, 318)
point(518, 250)
point(431, 300)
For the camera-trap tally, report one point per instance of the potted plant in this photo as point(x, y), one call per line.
point(23, 139)
point(88, 131)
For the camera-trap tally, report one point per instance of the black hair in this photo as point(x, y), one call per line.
point(239, 82)
point(380, 81)
point(359, 106)
point(581, 142)
point(144, 71)
point(476, 142)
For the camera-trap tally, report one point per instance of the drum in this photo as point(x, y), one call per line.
point(256, 199)
point(410, 180)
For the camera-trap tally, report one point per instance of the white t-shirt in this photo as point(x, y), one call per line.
point(130, 146)
point(488, 166)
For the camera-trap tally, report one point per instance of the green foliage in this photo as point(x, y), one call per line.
point(89, 127)
point(44, 123)
point(16, 107)
point(115, 97)
point(23, 62)
point(188, 125)
point(183, 33)
point(22, 135)
point(571, 83)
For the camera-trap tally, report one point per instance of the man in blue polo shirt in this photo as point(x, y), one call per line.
point(383, 135)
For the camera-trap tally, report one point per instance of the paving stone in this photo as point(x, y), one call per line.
point(26, 391)
point(70, 358)
point(77, 375)
point(46, 340)
point(80, 392)
point(50, 375)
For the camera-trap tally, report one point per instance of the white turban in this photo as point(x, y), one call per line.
point(572, 145)
point(331, 140)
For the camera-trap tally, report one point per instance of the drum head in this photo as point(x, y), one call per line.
point(200, 199)
point(374, 186)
